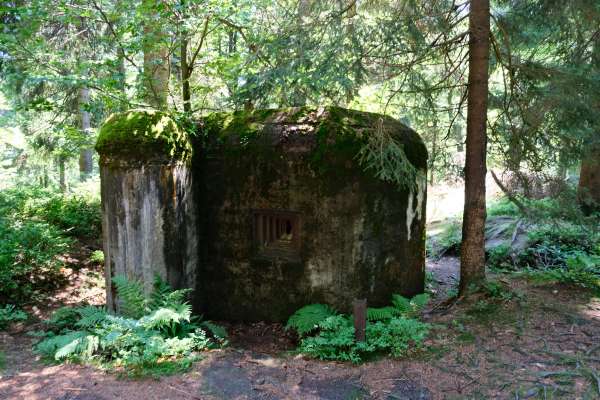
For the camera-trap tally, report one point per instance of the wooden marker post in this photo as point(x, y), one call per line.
point(360, 319)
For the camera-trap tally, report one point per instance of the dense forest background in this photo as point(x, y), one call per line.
point(66, 65)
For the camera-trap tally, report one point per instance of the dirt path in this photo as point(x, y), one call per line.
point(544, 345)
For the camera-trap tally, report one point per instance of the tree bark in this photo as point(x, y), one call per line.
point(588, 191)
point(156, 57)
point(62, 178)
point(186, 93)
point(86, 163)
point(472, 257)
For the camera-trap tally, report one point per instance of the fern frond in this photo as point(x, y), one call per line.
point(216, 330)
point(90, 316)
point(166, 318)
point(164, 296)
point(409, 308)
point(382, 313)
point(401, 303)
point(130, 297)
point(307, 319)
point(419, 301)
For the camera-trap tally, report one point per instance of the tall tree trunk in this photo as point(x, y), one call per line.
point(472, 254)
point(186, 94)
point(588, 191)
point(156, 57)
point(62, 178)
point(86, 164)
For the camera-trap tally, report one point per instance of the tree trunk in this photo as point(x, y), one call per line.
point(588, 191)
point(86, 163)
point(186, 94)
point(472, 255)
point(156, 57)
point(62, 179)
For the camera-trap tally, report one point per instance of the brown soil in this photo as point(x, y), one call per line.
point(545, 345)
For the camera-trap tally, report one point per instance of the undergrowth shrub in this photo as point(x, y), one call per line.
point(563, 243)
point(155, 335)
point(36, 226)
point(29, 261)
point(76, 215)
point(393, 330)
point(10, 314)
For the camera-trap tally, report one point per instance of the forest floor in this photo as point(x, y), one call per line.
point(539, 342)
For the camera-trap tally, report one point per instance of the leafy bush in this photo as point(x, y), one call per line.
point(579, 269)
point(162, 339)
point(502, 206)
point(34, 225)
point(10, 314)
point(564, 244)
point(391, 330)
point(28, 258)
point(76, 216)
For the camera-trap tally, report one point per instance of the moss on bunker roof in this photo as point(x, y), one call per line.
point(143, 134)
point(332, 128)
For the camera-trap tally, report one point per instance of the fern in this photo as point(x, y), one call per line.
point(307, 319)
point(392, 330)
point(409, 308)
point(62, 346)
point(168, 320)
point(149, 330)
point(90, 316)
point(382, 313)
point(163, 296)
point(217, 331)
point(131, 300)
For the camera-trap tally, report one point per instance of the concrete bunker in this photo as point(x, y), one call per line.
point(262, 212)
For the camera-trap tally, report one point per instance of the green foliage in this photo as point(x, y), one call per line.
point(131, 300)
point(386, 157)
point(307, 319)
point(499, 256)
point(10, 314)
point(447, 242)
point(392, 330)
point(502, 206)
point(581, 269)
point(564, 246)
point(76, 216)
point(35, 225)
point(163, 340)
point(97, 257)
point(28, 250)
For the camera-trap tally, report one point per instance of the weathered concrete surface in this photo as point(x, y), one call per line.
point(148, 213)
point(149, 224)
point(338, 232)
point(360, 237)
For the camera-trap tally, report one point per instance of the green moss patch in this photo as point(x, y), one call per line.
point(335, 129)
point(143, 134)
point(341, 141)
